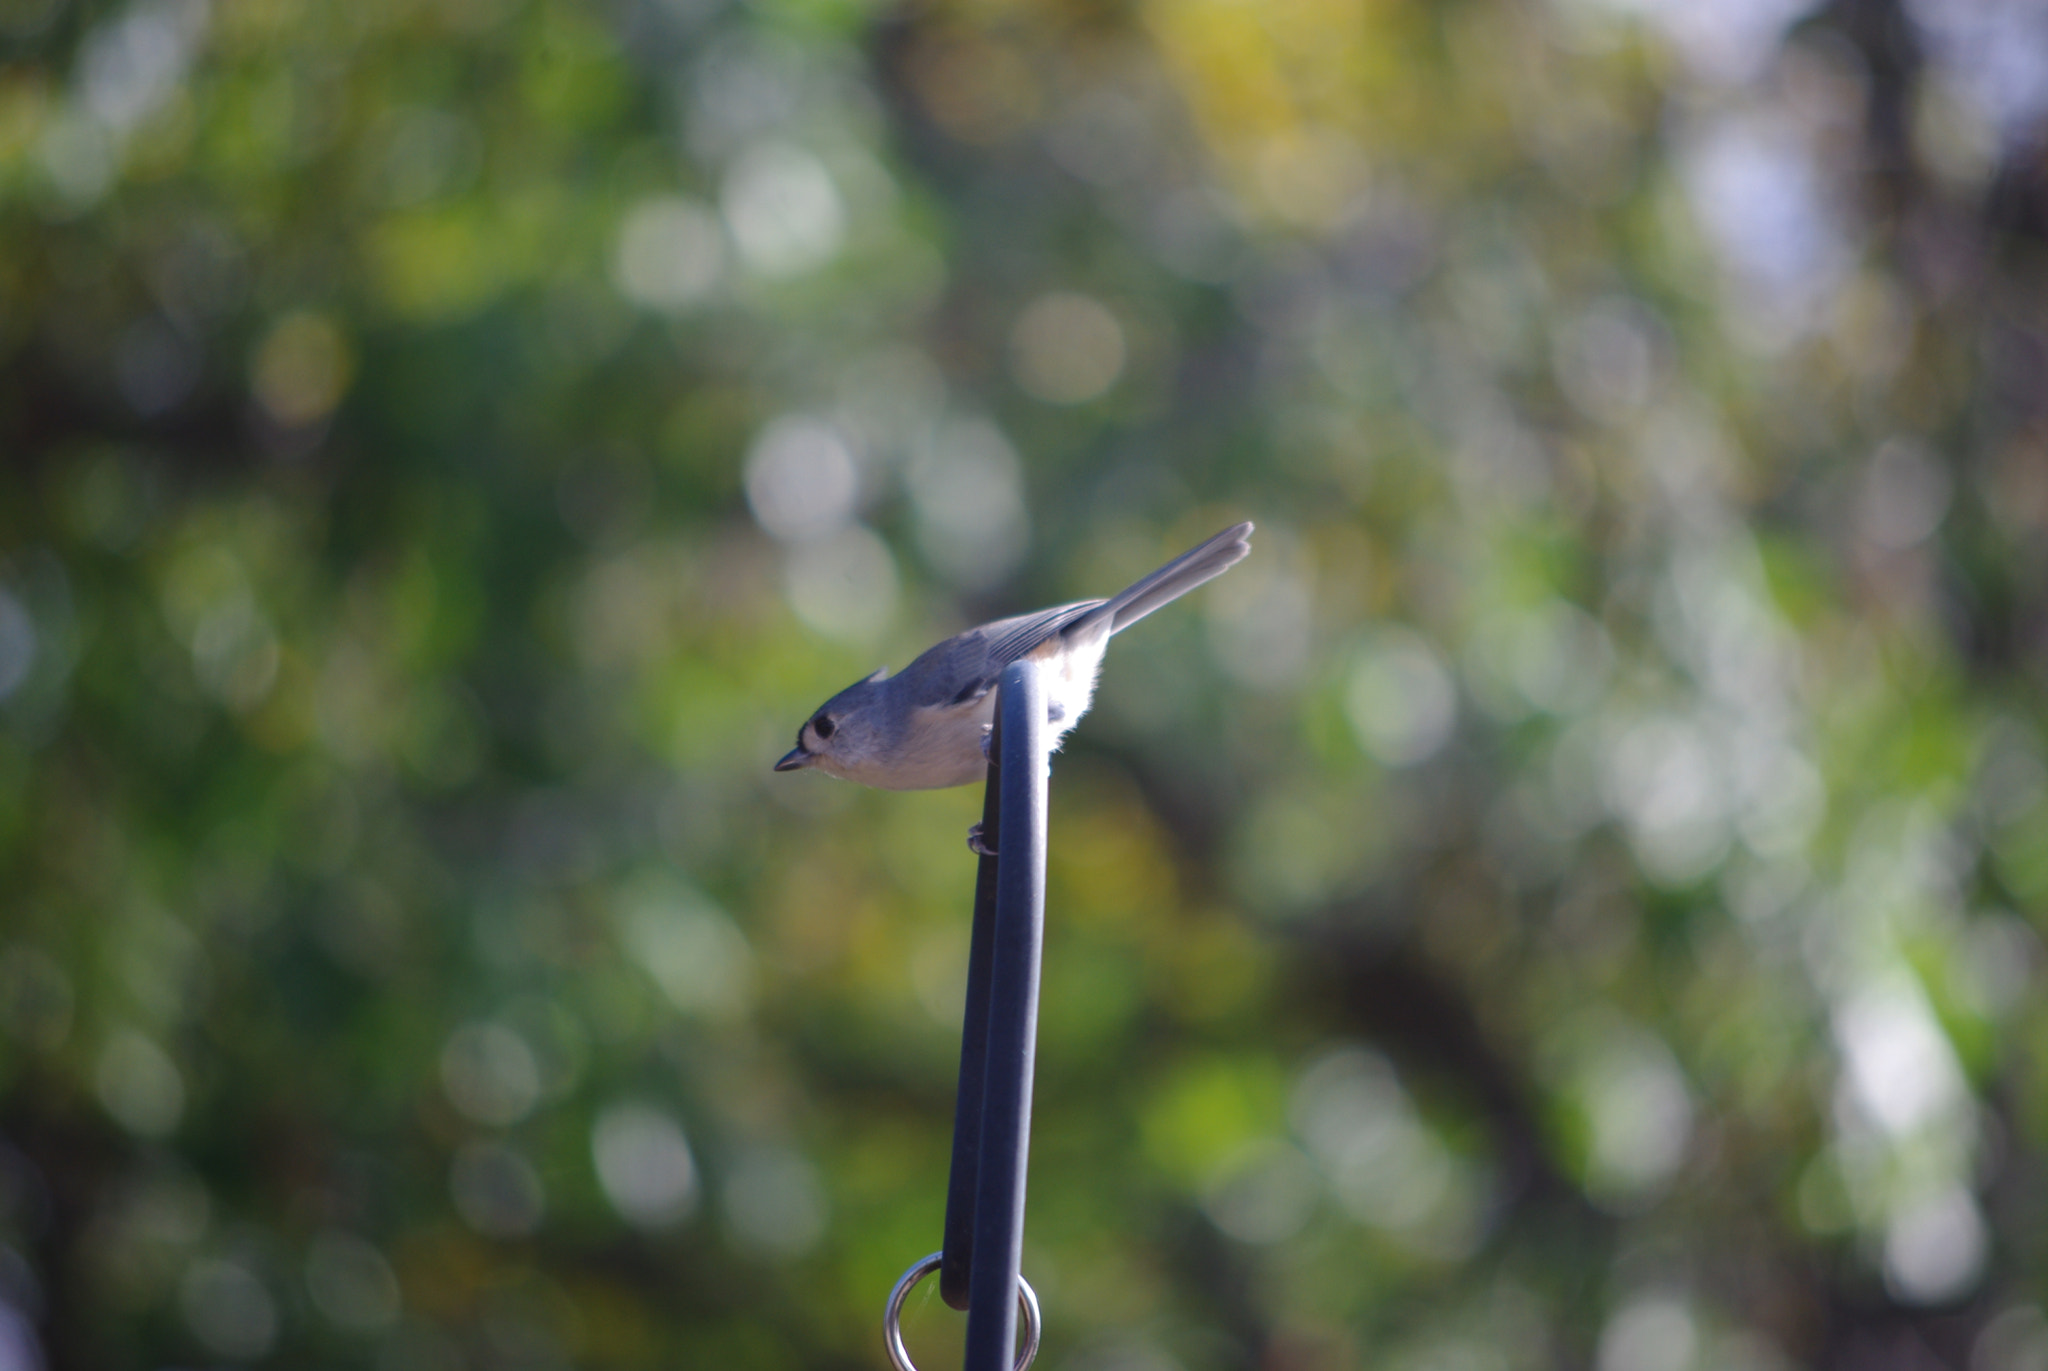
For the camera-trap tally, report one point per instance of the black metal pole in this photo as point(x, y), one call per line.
point(958, 1257)
point(1004, 1143)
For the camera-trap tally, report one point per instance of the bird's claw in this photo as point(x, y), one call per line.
point(976, 845)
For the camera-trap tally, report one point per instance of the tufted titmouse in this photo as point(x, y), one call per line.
point(926, 726)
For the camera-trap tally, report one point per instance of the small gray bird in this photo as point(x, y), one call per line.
point(927, 726)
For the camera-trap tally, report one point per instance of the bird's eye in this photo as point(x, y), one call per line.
point(823, 726)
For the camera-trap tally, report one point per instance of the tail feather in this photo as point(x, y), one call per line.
point(1170, 582)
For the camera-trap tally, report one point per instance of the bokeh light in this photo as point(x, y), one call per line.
point(1066, 348)
point(644, 1163)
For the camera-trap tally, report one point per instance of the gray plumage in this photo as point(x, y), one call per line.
point(923, 727)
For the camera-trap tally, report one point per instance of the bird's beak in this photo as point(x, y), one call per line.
point(796, 759)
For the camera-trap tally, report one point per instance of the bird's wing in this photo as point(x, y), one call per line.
point(979, 655)
point(1009, 639)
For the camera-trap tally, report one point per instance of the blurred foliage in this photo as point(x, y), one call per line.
point(1572, 898)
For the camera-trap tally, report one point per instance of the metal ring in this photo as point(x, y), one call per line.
point(892, 1329)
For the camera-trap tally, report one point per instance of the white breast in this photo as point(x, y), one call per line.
point(1070, 686)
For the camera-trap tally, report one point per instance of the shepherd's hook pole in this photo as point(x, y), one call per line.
point(1016, 938)
point(957, 1256)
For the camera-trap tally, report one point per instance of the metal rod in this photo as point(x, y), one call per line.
point(1005, 1140)
point(959, 1240)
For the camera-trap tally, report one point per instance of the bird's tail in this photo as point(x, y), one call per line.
point(1169, 583)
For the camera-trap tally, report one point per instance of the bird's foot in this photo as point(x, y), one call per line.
point(976, 845)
